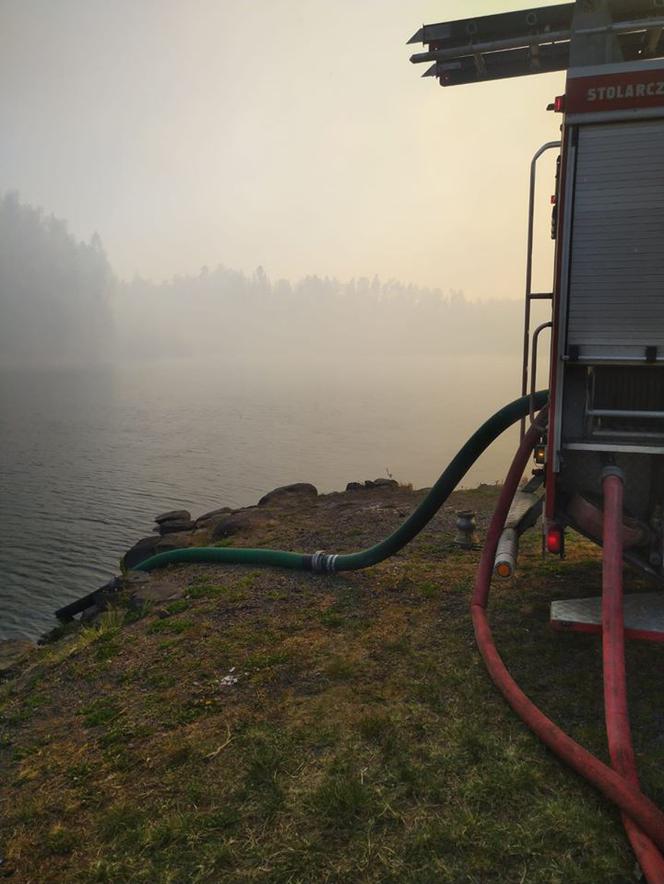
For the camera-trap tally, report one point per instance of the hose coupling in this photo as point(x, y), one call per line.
point(322, 563)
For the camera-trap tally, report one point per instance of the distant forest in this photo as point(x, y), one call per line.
point(55, 292)
point(60, 301)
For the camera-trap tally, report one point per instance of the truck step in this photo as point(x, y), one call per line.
point(644, 615)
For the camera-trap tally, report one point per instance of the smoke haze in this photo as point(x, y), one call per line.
point(62, 304)
point(292, 134)
point(55, 292)
point(258, 249)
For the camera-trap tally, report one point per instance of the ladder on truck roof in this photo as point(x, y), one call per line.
point(536, 41)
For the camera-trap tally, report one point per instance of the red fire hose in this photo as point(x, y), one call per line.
point(622, 790)
point(613, 653)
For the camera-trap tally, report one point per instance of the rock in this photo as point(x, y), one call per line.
point(112, 585)
point(241, 520)
point(354, 486)
point(174, 541)
point(369, 483)
point(135, 578)
point(12, 651)
point(180, 515)
point(385, 483)
point(213, 516)
point(172, 526)
point(298, 489)
point(140, 551)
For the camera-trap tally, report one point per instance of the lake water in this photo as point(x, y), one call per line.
point(89, 457)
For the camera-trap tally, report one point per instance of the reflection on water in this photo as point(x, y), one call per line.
point(87, 458)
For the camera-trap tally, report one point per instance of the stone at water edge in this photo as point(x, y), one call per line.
point(297, 489)
point(181, 515)
point(140, 551)
point(135, 578)
point(207, 519)
point(174, 525)
point(250, 519)
point(177, 540)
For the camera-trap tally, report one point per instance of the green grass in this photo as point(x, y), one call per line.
point(205, 591)
point(176, 627)
point(343, 800)
point(177, 607)
point(100, 712)
point(61, 841)
point(363, 740)
point(340, 669)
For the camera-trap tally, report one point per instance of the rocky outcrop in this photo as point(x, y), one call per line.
point(242, 520)
point(209, 519)
point(175, 540)
point(177, 530)
point(172, 526)
point(140, 551)
point(173, 515)
point(289, 492)
point(174, 521)
point(381, 482)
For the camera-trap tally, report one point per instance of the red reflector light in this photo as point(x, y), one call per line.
point(559, 104)
point(554, 539)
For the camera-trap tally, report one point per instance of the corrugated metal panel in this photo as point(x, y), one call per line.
point(616, 292)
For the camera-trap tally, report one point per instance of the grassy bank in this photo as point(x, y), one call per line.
point(277, 727)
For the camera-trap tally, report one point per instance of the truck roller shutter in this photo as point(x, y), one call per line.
point(616, 281)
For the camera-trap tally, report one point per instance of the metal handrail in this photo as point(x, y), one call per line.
point(533, 369)
point(530, 295)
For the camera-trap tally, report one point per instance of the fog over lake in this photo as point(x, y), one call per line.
point(224, 268)
point(90, 456)
point(120, 399)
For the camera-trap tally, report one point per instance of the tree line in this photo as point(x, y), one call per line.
point(60, 301)
point(55, 292)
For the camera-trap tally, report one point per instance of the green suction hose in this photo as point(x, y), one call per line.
point(450, 478)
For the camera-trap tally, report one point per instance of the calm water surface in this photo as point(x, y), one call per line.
point(89, 457)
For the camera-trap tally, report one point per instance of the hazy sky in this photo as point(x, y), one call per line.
point(289, 133)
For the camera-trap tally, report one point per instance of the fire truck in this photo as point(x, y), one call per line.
point(599, 443)
point(606, 385)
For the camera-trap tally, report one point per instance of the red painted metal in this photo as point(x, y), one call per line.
point(625, 90)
